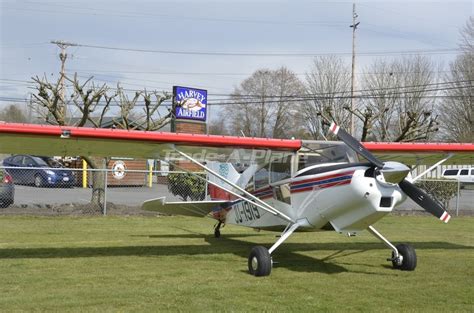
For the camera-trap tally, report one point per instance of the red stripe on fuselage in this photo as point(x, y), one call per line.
point(310, 180)
point(323, 186)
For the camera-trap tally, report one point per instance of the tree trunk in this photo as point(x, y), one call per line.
point(99, 165)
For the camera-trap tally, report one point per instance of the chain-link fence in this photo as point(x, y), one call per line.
point(59, 190)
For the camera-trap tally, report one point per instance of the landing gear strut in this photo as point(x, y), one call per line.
point(260, 261)
point(217, 230)
point(403, 255)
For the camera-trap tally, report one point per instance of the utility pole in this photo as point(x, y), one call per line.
point(354, 27)
point(62, 56)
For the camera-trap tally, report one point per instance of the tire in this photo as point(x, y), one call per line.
point(38, 181)
point(409, 258)
point(260, 261)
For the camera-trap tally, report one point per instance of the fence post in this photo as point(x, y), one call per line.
point(105, 191)
point(84, 173)
point(150, 175)
point(457, 198)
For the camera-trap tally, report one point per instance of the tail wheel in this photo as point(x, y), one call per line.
point(260, 261)
point(38, 181)
point(408, 254)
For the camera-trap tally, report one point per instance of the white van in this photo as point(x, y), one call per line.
point(464, 175)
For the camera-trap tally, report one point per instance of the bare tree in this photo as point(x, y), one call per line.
point(92, 102)
point(398, 100)
point(264, 104)
point(217, 127)
point(149, 118)
point(13, 114)
point(456, 111)
point(467, 36)
point(327, 87)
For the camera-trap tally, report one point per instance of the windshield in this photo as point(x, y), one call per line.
point(320, 152)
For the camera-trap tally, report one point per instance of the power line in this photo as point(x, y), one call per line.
point(100, 71)
point(395, 89)
point(262, 54)
point(128, 14)
point(300, 98)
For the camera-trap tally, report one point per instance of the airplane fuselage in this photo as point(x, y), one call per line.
point(345, 197)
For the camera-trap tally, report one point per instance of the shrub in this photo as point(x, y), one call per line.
point(441, 190)
point(187, 185)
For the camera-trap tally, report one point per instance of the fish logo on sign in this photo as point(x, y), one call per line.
point(190, 103)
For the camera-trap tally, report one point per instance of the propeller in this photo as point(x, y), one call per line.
point(424, 200)
point(394, 172)
point(355, 145)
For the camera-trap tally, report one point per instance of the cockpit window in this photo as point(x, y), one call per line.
point(261, 178)
point(313, 153)
point(280, 169)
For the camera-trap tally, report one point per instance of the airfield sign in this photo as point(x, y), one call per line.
point(190, 103)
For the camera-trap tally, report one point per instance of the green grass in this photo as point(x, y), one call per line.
point(137, 264)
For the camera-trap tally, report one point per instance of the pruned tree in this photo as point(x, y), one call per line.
point(398, 100)
point(149, 118)
point(47, 101)
point(456, 110)
point(90, 103)
point(264, 104)
point(327, 88)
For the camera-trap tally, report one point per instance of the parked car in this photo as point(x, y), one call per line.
point(34, 170)
point(7, 189)
point(464, 175)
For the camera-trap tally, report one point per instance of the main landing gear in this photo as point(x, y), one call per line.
point(217, 230)
point(260, 260)
point(403, 255)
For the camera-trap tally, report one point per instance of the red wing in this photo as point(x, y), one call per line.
point(422, 153)
point(74, 141)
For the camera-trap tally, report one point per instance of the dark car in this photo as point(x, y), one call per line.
point(35, 170)
point(7, 189)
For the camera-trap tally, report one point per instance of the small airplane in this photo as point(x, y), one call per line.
point(269, 184)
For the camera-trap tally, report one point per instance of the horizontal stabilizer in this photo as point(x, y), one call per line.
point(186, 208)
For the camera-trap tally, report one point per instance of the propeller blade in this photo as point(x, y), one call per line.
point(355, 145)
point(424, 200)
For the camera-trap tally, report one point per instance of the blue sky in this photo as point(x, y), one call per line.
point(255, 27)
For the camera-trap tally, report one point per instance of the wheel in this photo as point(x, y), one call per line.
point(217, 233)
point(260, 261)
point(38, 181)
point(409, 258)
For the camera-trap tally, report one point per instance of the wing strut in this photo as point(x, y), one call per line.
point(256, 201)
point(432, 167)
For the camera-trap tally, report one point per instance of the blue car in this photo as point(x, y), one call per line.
point(35, 170)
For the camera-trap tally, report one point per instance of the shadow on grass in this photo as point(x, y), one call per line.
point(286, 255)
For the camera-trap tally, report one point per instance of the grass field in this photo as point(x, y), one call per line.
point(137, 264)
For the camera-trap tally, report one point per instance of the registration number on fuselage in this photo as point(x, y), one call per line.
point(246, 212)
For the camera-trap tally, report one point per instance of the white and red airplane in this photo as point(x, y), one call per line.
point(285, 185)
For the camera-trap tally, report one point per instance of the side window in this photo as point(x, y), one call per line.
point(27, 161)
point(472, 171)
point(261, 178)
point(18, 159)
point(280, 169)
point(465, 172)
point(450, 172)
